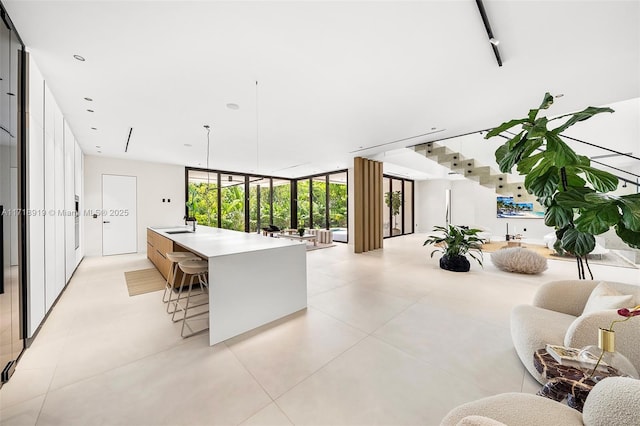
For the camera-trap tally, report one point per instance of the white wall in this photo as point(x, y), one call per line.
point(54, 161)
point(155, 181)
point(472, 205)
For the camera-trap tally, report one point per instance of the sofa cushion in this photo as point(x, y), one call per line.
point(613, 401)
point(606, 297)
point(532, 328)
point(479, 421)
point(516, 409)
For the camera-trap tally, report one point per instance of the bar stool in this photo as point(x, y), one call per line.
point(197, 269)
point(174, 257)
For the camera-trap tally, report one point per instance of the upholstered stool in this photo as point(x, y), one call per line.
point(174, 257)
point(196, 269)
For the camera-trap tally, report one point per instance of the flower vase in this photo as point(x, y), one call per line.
point(606, 355)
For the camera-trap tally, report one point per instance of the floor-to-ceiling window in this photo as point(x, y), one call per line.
point(249, 203)
point(322, 203)
point(303, 203)
point(237, 201)
point(281, 203)
point(232, 203)
point(259, 203)
point(397, 215)
point(202, 197)
point(319, 204)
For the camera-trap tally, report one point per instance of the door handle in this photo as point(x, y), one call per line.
point(105, 221)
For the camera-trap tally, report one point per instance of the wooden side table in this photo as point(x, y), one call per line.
point(565, 381)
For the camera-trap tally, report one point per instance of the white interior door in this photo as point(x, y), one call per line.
point(119, 230)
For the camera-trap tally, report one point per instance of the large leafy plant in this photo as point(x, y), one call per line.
point(455, 241)
point(575, 195)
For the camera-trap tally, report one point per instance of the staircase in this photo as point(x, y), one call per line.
point(469, 168)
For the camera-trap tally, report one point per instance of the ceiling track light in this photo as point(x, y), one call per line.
point(78, 57)
point(494, 41)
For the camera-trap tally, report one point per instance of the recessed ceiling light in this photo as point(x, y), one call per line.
point(233, 106)
point(11, 94)
point(90, 110)
point(433, 128)
point(88, 99)
point(559, 95)
point(99, 152)
point(187, 144)
point(94, 128)
point(98, 146)
point(78, 57)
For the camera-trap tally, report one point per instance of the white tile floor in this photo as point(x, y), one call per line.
point(388, 338)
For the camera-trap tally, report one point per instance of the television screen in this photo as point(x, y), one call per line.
point(507, 208)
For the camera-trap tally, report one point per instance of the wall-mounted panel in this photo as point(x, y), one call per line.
point(367, 217)
point(69, 203)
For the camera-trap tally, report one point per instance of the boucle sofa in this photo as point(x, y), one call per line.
point(613, 401)
point(556, 317)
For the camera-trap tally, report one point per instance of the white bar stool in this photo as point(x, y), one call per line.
point(197, 269)
point(175, 257)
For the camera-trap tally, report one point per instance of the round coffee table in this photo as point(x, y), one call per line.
point(565, 381)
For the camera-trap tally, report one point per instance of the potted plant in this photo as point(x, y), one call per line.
point(393, 199)
point(455, 242)
point(574, 194)
point(301, 232)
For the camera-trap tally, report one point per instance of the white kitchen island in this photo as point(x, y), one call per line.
point(253, 279)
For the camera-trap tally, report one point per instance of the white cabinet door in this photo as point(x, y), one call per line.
point(119, 230)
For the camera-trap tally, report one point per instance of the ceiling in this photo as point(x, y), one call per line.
point(318, 83)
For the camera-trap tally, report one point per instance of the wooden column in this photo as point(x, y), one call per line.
point(368, 204)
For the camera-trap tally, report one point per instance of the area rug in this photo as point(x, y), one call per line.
point(311, 247)
point(609, 259)
point(144, 281)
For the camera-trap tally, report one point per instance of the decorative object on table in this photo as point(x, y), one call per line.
point(570, 357)
point(301, 231)
point(455, 243)
point(519, 260)
point(565, 381)
point(557, 316)
point(605, 351)
point(574, 194)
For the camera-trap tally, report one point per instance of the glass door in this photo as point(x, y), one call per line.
point(397, 212)
point(11, 288)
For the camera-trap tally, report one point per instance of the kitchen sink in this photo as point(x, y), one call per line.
point(183, 231)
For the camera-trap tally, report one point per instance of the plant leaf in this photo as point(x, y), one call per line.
point(526, 164)
point(545, 184)
point(598, 220)
point(602, 181)
point(539, 128)
point(573, 180)
point(505, 126)
point(630, 206)
point(547, 101)
point(578, 116)
point(563, 154)
point(557, 216)
point(575, 198)
point(578, 243)
point(507, 157)
point(596, 198)
point(630, 237)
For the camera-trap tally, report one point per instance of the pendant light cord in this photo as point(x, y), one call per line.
point(206, 126)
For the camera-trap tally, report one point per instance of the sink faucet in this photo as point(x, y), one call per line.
point(192, 220)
